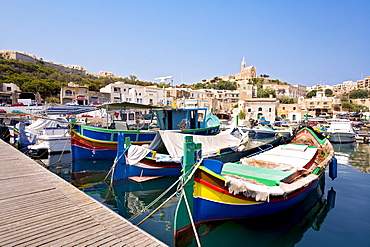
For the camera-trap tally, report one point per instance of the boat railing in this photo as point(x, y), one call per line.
point(262, 150)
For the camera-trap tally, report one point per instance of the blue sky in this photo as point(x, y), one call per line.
point(300, 42)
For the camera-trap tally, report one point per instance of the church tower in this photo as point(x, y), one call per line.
point(244, 65)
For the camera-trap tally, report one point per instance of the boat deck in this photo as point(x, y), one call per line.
point(39, 208)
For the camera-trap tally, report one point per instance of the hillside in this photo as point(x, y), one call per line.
point(37, 77)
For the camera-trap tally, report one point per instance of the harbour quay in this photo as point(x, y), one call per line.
point(38, 208)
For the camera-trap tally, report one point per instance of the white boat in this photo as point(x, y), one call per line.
point(51, 134)
point(55, 140)
point(340, 131)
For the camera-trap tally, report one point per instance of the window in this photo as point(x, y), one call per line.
point(8, 88)
point(68, 93)
point(131, 116)
point(270, 109)
point(284, 108)
point(81, 91)
point(294, 108)
point(249, 109)
point(260, 109)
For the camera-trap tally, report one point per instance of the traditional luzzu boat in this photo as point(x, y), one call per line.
point(260, 184)
point(90, 142)
point(163, 157)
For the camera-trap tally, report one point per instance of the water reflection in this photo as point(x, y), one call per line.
point(361, 158)
point(354, 154)
point(281, 229)
point(89, 171)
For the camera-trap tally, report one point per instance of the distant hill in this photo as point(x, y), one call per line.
point(37, 77)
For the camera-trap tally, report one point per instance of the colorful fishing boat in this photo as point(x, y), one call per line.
point(163, 157)
point(90, 142)
point(260, 184)
point(285, 228)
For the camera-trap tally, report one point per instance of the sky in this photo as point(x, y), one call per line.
point(301, 42)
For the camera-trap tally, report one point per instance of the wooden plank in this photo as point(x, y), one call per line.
point(39, 208)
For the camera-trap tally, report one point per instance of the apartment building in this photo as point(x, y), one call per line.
point(320, 105)
point(149, 95)
point(80, 95)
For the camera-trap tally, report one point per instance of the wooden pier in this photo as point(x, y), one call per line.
point(38, 208)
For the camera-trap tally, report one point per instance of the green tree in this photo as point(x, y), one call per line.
point(286, 100)
point(265, 93)
point(329, 92)
point(311, 94)
point(242, 114)
point(353, 107)
point(358, 94)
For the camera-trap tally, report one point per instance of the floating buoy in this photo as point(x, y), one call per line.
point(333, 167)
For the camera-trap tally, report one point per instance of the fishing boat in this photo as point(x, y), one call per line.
point(285, 228)
point(163, 157)
point(340, 131)
point(260, 184)
point(89, 142)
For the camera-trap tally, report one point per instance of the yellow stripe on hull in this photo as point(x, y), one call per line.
point(202, 191)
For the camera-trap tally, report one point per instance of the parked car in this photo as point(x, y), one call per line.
point(17, 104)
point(2, 111)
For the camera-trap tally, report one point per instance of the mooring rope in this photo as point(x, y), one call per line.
point(176, 192)
point(191, 219)
point(155, 200)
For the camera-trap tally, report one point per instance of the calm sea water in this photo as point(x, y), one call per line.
point(337, 213)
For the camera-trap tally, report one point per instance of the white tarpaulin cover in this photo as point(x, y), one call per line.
point(174, 142)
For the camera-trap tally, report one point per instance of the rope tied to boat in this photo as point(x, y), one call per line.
point(180, 187)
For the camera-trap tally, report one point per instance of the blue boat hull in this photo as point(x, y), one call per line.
point(211, 210)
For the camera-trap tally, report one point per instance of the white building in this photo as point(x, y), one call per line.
point(150, 95)
point(258, 107)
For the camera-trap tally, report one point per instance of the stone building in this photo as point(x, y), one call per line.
point(9, 93)
point(80, 95)
point(246, 91)
point(320, 105)
point(287, 90)
point(259, 107)
point(292, 112)
point(246, 72)
point(24, 57)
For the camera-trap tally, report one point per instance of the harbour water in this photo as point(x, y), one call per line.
point(337, 213)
